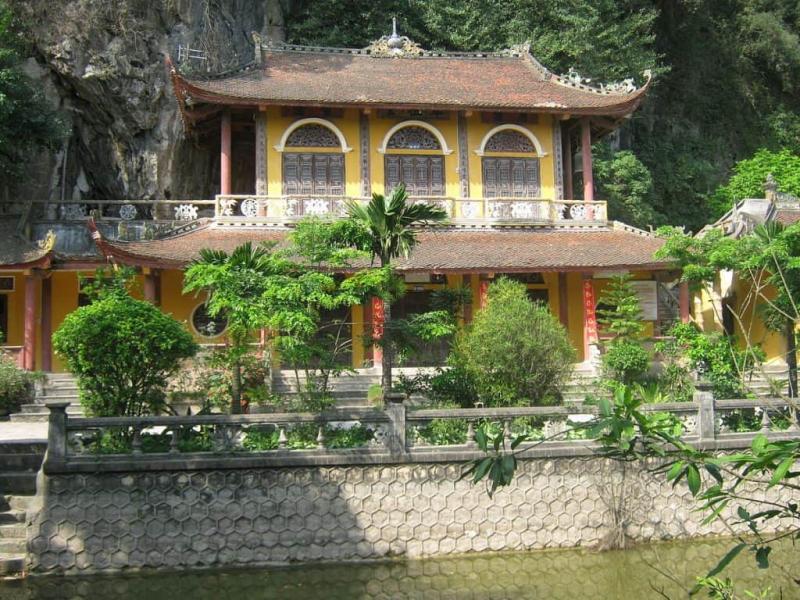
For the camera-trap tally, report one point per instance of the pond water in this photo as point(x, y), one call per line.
point(655, 571)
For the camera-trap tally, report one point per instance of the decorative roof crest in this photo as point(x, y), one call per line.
point(48, 242)
point(394, 46)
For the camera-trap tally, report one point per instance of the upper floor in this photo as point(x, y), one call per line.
point(491, 137)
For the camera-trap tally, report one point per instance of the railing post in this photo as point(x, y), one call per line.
point(396, 411)
point(57, 431)
point(706, 419)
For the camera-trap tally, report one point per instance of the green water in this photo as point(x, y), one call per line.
point(655, 571)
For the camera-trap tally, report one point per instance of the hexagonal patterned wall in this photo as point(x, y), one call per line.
point(99, 522)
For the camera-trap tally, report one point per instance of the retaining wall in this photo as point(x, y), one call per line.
point(215, 516)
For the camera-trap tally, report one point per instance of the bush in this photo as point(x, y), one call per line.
point(122, 351)
point(446, 387)
point(718, 358)
point(16, 385)
point(626, 361)
point(516, 352)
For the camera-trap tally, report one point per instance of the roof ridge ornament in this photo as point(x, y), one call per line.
point(576, 80)
point(394, 46)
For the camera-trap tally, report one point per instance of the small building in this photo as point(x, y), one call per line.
point(496, 139)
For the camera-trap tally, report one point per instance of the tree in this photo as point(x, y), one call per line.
point(123, 352)
point(527, 363)
point(620, 315)
point(391, 223)
point(234, 285)
point(625, 182)
point(27, 123)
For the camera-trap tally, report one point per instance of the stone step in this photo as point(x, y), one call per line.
point(21, 462)
point(19, 482)
point(12, 516)
point(13, 546)
point(42, 408)
point(29, 417)
point(13, 531)
point(15, 502)
point(12, 564)
point(23, 447)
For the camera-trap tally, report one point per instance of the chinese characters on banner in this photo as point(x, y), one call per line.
point(377, 318)
point(590, 319)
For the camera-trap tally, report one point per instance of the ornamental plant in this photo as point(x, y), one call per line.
point(527, 363)
point(123, 352)
point(620, 315)
point(15, 383)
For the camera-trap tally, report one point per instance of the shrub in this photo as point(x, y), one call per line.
point(122, 351)
point(718, 358)
point(516, 352)
point(626, 361)
point(445, 387)
point(15, 384)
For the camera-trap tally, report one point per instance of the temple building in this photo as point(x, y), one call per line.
point(494, 138)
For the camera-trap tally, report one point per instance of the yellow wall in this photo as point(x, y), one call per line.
point(16, 310)
point(348, 124)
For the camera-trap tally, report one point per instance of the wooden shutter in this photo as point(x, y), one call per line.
point(490, 178)
point(291, 173)
point(436, 187)
point(511, 177)
point(336, 174)
point(305, 173)
point(392, 175)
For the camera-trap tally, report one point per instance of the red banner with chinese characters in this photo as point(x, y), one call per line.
point(377, 318)
point(589, 317)
point(483, 293)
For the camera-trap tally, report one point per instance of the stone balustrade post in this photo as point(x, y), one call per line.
point(706, 419)
point(396, 411)
point(57, 432)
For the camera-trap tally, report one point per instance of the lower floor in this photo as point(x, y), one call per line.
point(34, 303)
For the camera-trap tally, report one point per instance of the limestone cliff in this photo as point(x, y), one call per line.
point(102, 63)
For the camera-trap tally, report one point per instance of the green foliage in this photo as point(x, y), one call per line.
point(718, 358)
point(619, 312)
point(524, 364)
point(626, 184)
point(625, 361)
point(449, 386)
point(442, 432)
point(123, 351)
point(675, 379)
point(27, 121)
point(750, 174)
point(107, 281)
point(15, 384)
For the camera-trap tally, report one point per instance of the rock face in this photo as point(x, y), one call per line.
point(102, 63)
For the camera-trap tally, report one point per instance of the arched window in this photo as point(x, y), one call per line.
point(318, 170)
point(510, 163)
point(422, 173)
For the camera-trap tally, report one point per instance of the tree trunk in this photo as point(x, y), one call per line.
point(791, 358)
point(386, 360)
point(236, 388)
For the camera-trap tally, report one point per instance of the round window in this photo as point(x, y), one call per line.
point(205, 324)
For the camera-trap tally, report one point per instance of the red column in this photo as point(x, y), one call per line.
point(29, 341)
point(151, 285)
point(590, 336)
point(683, 300)
point(566, 146)
point(586, 155)
point(47, 324)
point(225, 154)
point(483, 293)
point(377, 329)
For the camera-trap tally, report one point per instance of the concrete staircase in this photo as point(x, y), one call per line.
point(19, 464)
point(349, 389)
point(59, 387)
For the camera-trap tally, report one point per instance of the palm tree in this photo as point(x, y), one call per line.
point(392, 223)
point(234, 284)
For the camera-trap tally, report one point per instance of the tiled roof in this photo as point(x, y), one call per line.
point(439, 250)
point(16, 251)
point(787, 216)
point(511, 81)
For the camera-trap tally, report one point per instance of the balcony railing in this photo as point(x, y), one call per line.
point(112, 210)
point(536, 211)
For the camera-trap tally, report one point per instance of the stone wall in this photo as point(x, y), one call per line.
point(223, 517)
